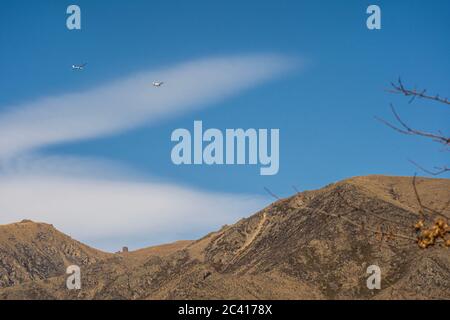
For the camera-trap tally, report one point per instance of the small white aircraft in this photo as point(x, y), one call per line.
point(78, 66)
point(157, 83)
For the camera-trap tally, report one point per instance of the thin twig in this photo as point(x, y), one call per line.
point(400, 88)
point(271, 193)
point(374, 214)
point(360, 226)
point(440, 170)
point(409, 131)
point(419, 201)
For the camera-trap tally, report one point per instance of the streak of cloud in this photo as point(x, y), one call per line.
point(133, 101)
point(106, 211)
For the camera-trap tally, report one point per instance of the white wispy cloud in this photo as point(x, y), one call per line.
point(130, 102)
point(106, 211)
point(99, 202)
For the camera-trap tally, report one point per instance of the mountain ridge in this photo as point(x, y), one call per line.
point(313, 245)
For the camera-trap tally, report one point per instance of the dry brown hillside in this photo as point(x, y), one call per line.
point(313, 245)
point(33, 251)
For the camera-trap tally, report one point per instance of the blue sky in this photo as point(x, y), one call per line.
point(324, 109)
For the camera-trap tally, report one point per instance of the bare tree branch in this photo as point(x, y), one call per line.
point(361, 226)
point(414, 93)
point(427, 234)
point(409, 131)
point(439, 170)
point(374, 214)
point(271, 193)
point(419, 201)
